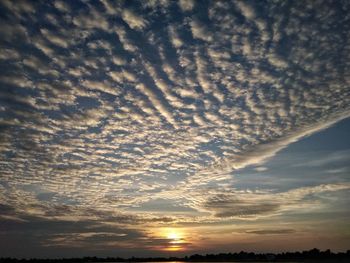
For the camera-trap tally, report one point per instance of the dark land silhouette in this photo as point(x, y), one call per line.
point(313, 255)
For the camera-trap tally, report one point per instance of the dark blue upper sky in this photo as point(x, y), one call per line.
point(145, 127)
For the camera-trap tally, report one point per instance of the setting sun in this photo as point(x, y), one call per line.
point(175, 239)
point(174, 236)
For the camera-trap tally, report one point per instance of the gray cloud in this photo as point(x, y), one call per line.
point(271, 231)
point(253, 205)
point(230, 206)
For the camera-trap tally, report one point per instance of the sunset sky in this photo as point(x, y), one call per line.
point(168, 128)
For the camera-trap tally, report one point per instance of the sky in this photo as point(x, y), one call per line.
point(167, 128)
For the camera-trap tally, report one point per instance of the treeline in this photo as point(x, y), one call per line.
point(308, 256)
point(313, 255)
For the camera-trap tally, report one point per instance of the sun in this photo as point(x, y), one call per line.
point(175, 239)
point(174, 236)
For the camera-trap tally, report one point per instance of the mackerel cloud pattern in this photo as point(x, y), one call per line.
point(105, 106)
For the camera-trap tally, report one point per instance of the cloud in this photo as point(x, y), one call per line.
point(174, 37)
point(63, 235)
point(186, 5)
point(110, 112)
point(261, 169)
point(92, 20)
point(133, 20)
point(7, 54)
point(126, 42)
point(225, 206)
point(262, 152)
point(255, 205)
point(101, 86)
point(12, 32)
point(20, 8)
point(277, 62)
point(333, 158)
point(271, 231)
point(54, 38)
point(246, 9)
point(111, 8)
point(199, 31)
point(157, 104)
point(62, 6)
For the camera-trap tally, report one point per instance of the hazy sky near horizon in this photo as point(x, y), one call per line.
point(132, 128)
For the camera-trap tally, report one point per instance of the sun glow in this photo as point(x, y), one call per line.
point(174, 236)
point(175, 239)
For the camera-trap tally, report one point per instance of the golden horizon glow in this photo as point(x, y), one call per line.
point(173, 248)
